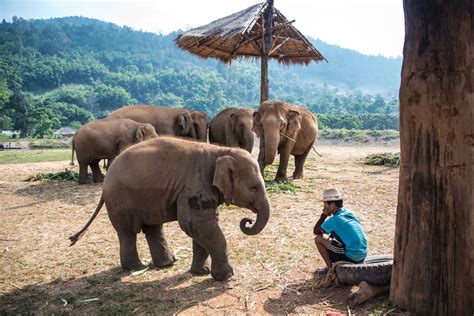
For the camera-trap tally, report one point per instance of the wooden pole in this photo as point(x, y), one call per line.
point(433, 271)
point(267, 46)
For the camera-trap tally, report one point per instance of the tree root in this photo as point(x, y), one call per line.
point(366, 292)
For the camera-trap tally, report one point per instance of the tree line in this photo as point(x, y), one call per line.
point(69, 71)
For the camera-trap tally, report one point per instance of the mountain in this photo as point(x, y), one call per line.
point(78, 68)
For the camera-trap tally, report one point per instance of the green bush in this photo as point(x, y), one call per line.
point(66, 175)
point(383, 159)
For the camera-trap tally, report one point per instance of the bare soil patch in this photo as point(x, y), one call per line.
point(273, 270)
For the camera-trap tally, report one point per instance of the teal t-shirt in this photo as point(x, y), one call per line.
point(347, 226)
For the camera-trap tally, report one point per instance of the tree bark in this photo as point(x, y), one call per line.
point(433, 271)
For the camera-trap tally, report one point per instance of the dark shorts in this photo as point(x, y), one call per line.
point(337, 252)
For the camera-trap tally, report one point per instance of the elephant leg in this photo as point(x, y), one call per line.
point(200, 264)
point(83, 177)
point(97, 175)
point(299, 163)
point(201, 225)
point(210, 237)
point(128, 251)
point(159, 250)
point(281, 173)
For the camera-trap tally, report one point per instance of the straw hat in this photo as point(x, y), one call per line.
point(332, 195)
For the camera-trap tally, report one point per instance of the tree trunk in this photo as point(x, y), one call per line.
point(433, 271)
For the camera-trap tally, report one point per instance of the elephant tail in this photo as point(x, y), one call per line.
point(72, 155)
point(74, 238)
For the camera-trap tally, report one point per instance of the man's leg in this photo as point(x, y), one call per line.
point(323, 245)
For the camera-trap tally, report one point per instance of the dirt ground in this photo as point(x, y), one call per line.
point(273, 270)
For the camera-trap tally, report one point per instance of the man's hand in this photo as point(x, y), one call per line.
point(317, 228)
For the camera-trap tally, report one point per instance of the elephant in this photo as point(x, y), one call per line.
point(105, 139)
point(286, 129)
point(233, 127)
point(201, 124)
point(154, 182)
point(167, 121)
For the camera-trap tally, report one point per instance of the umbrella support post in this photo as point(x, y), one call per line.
point(267, 46)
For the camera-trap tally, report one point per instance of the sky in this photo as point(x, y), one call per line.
point(371, 27)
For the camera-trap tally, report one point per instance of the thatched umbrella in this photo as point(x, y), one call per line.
point(260, 31)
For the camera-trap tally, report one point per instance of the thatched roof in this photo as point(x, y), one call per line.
point(241, 35)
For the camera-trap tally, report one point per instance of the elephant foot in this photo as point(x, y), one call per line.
point(222, 273)
point(132, 265)
point(297, 175)
point(166, 262)
point(99, 179)
point(83, 181)
point(280, 179)
point(200, 270)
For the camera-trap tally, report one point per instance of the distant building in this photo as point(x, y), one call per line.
point(10, 133)
point(65, 132)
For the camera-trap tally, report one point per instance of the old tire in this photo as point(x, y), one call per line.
point(375, 270)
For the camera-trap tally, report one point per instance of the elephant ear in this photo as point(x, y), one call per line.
point(224, 177)
point(294, 122)
point(140, 134)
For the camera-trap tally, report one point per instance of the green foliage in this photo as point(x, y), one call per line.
point(66, 175)
point(59, 71)
point(359, 121)
point(284, 187)
point(274, 187)
point(383, 159)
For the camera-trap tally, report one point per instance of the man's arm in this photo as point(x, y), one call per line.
point(317, 228)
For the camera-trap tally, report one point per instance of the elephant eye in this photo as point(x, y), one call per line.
point(254, 189)
point(282, 125)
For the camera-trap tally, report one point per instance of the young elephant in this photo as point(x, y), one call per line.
point(154, 182)
point(201, 124)
point(286, 129)
point(233, 127)
point(105, 139)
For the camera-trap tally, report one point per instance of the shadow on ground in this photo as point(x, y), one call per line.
point(303, 298)
point(69, 192)
point(112, 292)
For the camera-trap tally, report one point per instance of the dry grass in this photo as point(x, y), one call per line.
point(273, 270)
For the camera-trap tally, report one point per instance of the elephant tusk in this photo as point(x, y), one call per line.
point(288, 137)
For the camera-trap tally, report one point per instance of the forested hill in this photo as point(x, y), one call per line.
point(69, 70)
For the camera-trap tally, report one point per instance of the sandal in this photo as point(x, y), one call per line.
point(321, 271)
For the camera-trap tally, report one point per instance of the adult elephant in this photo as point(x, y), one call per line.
point(105, 139)
point(201, 124)
point(285, 129)
point(233, 127)
point(167, 121)
point(154, 182)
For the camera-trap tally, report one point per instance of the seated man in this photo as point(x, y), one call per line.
point(347, 241)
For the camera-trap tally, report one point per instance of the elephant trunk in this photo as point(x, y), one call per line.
point(271, 147)
point(201, 134)
point(263, 214)
point(192, 133)
point(247, 139)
